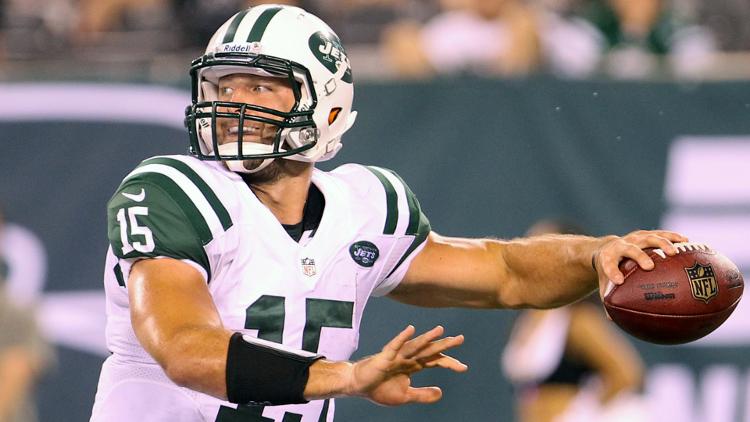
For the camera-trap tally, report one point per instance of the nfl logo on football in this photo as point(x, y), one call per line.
point(308, 267)
point(702, 282)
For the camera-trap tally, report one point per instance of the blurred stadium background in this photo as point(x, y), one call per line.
point(616, 114)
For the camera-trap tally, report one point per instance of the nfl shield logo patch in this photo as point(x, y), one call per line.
point(702, 282)
point(308, 267)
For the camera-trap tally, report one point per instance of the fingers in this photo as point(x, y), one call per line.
point(423, 351)
point(385, 378)
point(437, 347)
point(431, 355)
point(424, 394)
point(395, 345)
point(662, 243)
point(445, 361)
point(417, 344)
point(671, 236)
point(610, 261)
point(632, 246)
point(658, 239)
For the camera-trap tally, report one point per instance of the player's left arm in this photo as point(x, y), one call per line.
point(539, 272)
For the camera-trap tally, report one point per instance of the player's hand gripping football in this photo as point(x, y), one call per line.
point(607, 258)
point(385, 378)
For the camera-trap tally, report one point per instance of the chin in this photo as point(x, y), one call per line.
point(251, 165)
point(270, 174)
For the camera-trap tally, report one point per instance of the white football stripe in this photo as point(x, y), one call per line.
point(609, 288)
point(192, 191)
point(727, 234)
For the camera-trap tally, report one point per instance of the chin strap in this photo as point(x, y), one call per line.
point(238, 166)
point(251, 147)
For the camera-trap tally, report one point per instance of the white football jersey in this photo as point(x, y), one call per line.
point(307, 296)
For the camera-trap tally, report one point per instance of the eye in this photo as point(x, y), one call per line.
point(260, 88)
point(225, 91)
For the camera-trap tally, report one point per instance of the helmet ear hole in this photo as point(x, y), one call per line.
point(333, 115)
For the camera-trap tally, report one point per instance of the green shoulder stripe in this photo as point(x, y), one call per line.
point(418, 240)
point(213, 200)
point(418, 226)
point(391, 199)
point(418, 222)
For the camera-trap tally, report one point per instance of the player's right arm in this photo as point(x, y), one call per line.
point(176, 321)
point(160, 220)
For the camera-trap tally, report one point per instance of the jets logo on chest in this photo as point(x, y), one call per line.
point(308, 267)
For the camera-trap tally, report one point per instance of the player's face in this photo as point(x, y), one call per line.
point(274, 93)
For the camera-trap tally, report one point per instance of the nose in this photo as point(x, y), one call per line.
point(241, 95)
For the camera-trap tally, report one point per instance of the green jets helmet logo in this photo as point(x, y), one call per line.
point(327, 48)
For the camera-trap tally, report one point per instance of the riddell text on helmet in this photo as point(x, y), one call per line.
point(253, 47)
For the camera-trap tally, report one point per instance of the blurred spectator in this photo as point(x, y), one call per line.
point(474, 36)
point(571, 46)
point(97, 17)
point(361, 22)
point(23, 263)
point(642, 35)
point(570, 38)
point(35, 28)
point(570, 364)
point(200, 18)
point(2, 30)
point(728, 21)
point(24, 355)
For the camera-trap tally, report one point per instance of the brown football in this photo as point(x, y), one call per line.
point(685, 296)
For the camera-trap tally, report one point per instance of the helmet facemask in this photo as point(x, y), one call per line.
point(295, 132)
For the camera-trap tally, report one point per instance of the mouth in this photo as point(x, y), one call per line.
point(246, 130)
point(250, 133)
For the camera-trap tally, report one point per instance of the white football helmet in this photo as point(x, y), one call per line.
point(281, 41)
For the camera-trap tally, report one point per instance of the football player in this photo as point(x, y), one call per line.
point(237, 277)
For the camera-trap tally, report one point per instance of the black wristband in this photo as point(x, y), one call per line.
point(262, 372)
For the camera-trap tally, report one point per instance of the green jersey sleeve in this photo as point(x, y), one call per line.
point(151, 216)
